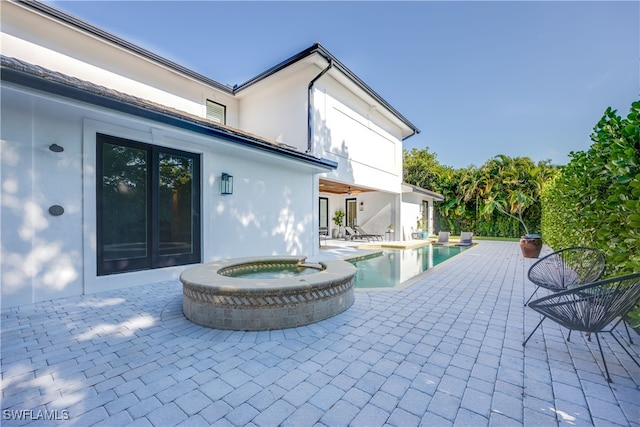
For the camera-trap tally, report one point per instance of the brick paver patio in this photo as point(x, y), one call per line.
point(444, 351)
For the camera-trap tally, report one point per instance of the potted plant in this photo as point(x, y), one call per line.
point(530, 243)
point(338, 217)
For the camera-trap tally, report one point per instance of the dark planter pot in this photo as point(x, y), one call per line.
point(531, 245)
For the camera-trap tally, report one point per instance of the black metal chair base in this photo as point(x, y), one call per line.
point(604, 362)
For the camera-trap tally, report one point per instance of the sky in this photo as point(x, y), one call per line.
point(477, 78)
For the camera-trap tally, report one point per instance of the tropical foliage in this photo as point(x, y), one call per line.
point(500, 198)
point(592, 201)
point(595, 201)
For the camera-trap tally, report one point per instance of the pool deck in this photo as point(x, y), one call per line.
point(444, 351)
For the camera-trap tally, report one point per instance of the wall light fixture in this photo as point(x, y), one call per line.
point(226, 184)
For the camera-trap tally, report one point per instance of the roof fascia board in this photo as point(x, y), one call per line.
point(124, 44)
point(317, 48)
point(56, 88)
point(419, 190)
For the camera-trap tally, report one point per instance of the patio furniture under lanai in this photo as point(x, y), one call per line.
point(363, 233)
point(351, 234)
point(591, 308)
point(323, 234)
point(566, 267)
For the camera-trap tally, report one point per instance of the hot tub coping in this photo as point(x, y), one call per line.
point(255, 304)
point(208, 276)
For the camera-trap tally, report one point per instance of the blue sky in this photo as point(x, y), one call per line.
point(478, 78)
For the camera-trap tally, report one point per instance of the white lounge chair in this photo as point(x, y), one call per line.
point(351, 234)
point(363, 233)
point(443, 238)
point(465, 239)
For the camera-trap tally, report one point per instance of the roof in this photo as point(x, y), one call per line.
point(415, 189)
point(317, 48)
point(25, 74)
point(100, 33)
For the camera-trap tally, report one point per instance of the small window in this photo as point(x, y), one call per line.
point(216, 112)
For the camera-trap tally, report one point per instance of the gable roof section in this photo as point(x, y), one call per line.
point(105, 35)
point(318, 49)
point(24, 74)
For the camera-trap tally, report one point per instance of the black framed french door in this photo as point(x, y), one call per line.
point(323, 213)
point(148, 206)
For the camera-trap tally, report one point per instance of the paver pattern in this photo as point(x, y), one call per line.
point(444, 351)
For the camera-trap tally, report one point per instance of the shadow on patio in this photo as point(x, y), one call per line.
point(445, 351)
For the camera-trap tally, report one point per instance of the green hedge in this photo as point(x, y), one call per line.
point(595, 201)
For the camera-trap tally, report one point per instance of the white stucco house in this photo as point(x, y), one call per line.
point(120, 167)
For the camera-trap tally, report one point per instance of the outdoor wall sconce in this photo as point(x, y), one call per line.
point(361, 206)
point(56, 148)
point(226, 184)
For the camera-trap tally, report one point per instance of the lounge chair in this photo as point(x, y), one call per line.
point(363, 233)
point(591, 308)
point(465, 239)
point(351, 234)
point(566, 267)
point(443, 238)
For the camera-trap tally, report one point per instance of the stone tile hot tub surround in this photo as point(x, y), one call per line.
point(212, 299)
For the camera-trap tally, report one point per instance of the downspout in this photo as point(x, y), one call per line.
point(310, 104)
point(409, 136)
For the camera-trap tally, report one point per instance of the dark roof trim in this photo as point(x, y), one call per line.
point(415, 189)
point(98, 32)
point(38, 78)
point(317, 48)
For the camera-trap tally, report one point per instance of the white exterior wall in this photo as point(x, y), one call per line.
point(345, 128)
point(378, 212)
point(44, 257)
point(278, 110)
point(410, 214)
point(348, 131)
point(269, 212)
point(41, 255)
point(47, 43)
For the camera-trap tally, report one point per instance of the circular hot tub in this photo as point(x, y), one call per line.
point(265, 293)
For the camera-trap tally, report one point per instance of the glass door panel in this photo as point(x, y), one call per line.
point(175, 204)
point(124, 226)
point(324, 212)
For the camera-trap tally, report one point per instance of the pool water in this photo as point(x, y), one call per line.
point(273, 272)
point(393, 266)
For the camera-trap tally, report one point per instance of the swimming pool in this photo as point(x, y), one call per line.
point(392, 267)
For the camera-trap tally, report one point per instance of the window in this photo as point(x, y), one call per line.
point(323, 213)
point(216, 112)
point(148, 206)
